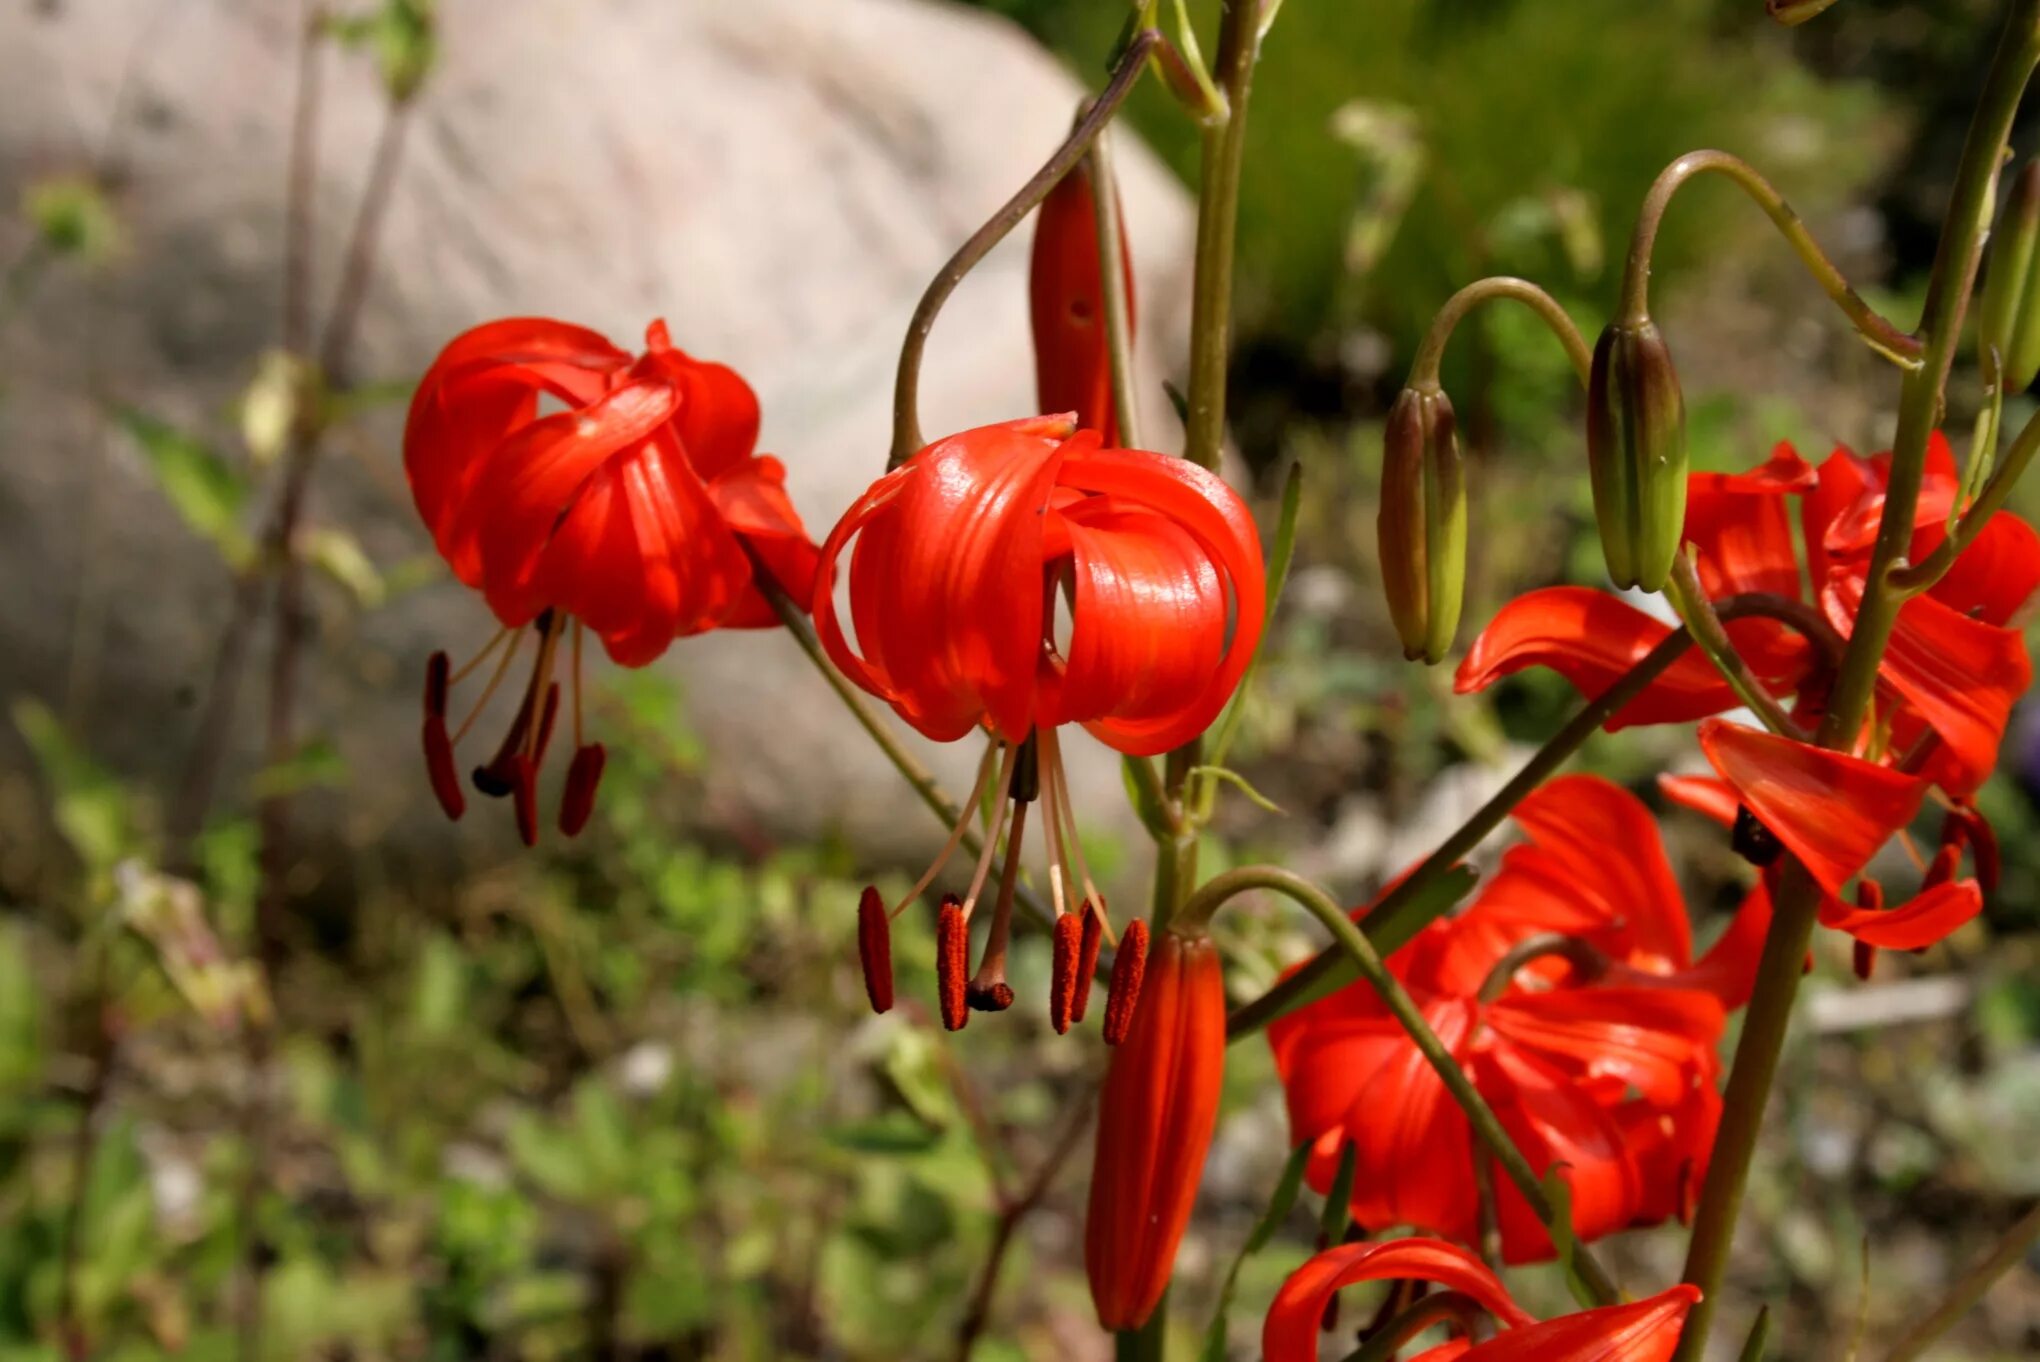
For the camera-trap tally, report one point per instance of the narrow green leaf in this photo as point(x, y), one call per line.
point(340, 556)
point(316, 763)
point(1338, 1213)
point(207, 491)
point(1280, 556)
point(1240, 783)
point(1759, 1339)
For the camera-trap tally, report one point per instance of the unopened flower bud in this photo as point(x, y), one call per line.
point(1792, 13)
point(1636, 451)
point(1421, 527)
point(2009, 320)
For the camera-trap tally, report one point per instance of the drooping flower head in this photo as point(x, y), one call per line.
point(634, 511)
point(1569, 994)
point(1642, 1331)
point(1017, 578)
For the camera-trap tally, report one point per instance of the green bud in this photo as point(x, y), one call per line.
point(2010, 317)
point(1636, 450)
point(1792, 13)
point(1421, 529)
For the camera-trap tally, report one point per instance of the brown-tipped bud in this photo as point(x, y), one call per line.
point(952, 962)
point(1792, 13)
point(1636, 453)
point(1062, 977)
point(546, 718)
point(437, 670)
point(1087, 959)
point(440, 769)
point(584, 777)
point(874, 949)
point(1421, 527)
point(2009, 318)
point(524, 792)
point(1129, 967)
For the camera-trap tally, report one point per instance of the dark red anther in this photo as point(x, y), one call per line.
point(498, 777)
point(546, 716)
point(874, 949)
point(1129, 967)
point(1869, 894)
point(1063, 982)
point(440, 768)
point(524, 789)
point(1941, 870)
point(952, 962)
point(437, 670)
point(1087, 959)
point(577, 801)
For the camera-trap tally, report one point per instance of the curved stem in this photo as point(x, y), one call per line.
point(1424, 370)
point(1929, 570)
point(1358, 949)
point(1446, 1307)
point(1883, 335)
point(1391, 923)
point(1921, 393)
point(2009, 1251)
point(907, 383)
point(1583, 957)
point(1689, 599)
point(1112, 275)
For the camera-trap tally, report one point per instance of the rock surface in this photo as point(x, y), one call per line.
point(777, 178)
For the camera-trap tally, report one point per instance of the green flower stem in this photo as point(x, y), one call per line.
point(911, 770)
point(1883, 335)
point(1112, 274)
point(1424, 369)
point(1353, 943)
point(1920, 396)
point(1147, 1343)
point(1446, 1307)
point(907, 382)
point(1689, 599)
point(1391, 922)
point(2007, 1254)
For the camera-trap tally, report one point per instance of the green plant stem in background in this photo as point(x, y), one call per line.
point(1922, 575)
point(1883, 335)
point(1431, 354)
point(907, 382)
point(1920, 397)
point(2009, 1251)
point(1353, 943)
point(1149, 1343)
point(1392, 920)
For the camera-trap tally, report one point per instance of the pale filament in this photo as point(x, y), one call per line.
point(1064, 809)
point(970, 809)
point(495, 680)
point(991, 846)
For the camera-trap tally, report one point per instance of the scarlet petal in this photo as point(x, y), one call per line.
point(1291, 1331)
point(1995, 576)
point(1592, 639)
point(1927, 917)
point(1646, 1331)
point(751, 498)
point(1157, 1112)
point(1606, 840)
point(717, 415)
point(1833, 811)
point(874, 949)
point(1704, 795)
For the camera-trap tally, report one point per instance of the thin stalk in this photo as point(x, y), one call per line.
point(2009, 1251)
point(336, 342)
point(1921, 393)
point(1689, 600)
point(1390, 923)
point(1353, 943)
point(1929, 570)
point(1883, 335)
point(297, 213)
point(907, 382)
point(1012, 1211)
point(1431, 354)
point(1445, 1307)
point(1218, 211)
point(1112, 275)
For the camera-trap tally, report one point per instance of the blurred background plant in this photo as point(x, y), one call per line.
point(623, 1099)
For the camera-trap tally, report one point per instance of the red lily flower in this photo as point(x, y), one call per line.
point(1609, 1069)
point(1155, 1122)
point(1834, 811)
point(1953, 670)
point(1644, 1331)
point(964, 555)
point(1066, 298)
point(635, 512)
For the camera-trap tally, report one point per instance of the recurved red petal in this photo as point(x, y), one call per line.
point(1607, 842)
point(1291, 1331)
point(1960, 675)
point(1708, 796)
point(1644, 1331)
point(1648, 1037)
point(716, 414)
point(1995, 576)
point(1741, 523)
point(1929, 916)
point(1833, 811)
point(1853, 529)
point(1592, 639)
point(751, 498)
